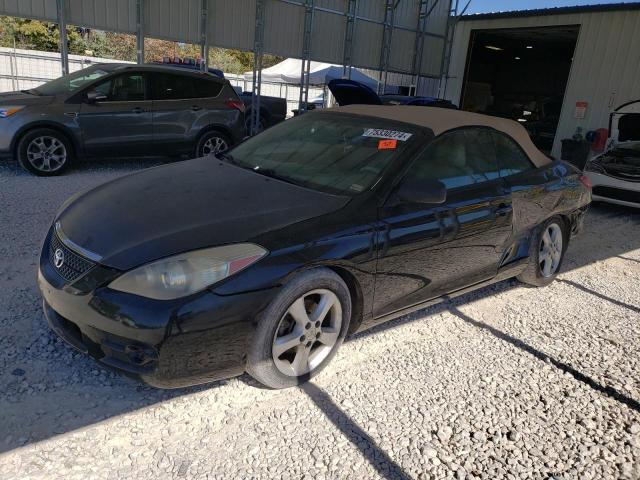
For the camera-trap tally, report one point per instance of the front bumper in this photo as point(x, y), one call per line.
point(166, 344)
point(614, 190)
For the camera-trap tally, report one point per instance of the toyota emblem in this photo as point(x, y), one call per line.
point(58, 258)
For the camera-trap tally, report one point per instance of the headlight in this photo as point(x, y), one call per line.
point(9, 110)
point(188, 273)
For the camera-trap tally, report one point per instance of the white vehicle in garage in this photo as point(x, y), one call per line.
point(615, 174)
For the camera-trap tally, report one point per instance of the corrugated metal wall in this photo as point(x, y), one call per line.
point(605, 70)
point(231, 24)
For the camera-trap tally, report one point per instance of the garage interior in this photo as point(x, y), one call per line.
point(522, 74)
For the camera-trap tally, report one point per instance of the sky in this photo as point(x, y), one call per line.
point(481, 6)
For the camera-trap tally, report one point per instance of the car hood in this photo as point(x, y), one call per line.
point(185, 206)
point(622, 162)
point(624, 123)
point(350, 92)
point(20, 98)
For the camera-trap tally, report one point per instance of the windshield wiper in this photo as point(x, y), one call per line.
point(267, 172)
point(227, 158)
point(30, 92)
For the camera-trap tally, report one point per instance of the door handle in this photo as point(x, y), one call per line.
point(138, 110)
point(195, 108)
point(504, 209)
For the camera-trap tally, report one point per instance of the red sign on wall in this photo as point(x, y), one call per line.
point(581, 110)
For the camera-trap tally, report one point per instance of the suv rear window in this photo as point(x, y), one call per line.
point(169, 86)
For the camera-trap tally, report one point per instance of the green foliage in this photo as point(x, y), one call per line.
point(45, 36)
point(36, 35)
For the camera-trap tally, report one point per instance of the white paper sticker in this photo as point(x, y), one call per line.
point(390, 134)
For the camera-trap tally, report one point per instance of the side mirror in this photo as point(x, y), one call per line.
point(93, 97)
point(412, 190)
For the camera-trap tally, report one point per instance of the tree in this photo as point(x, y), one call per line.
point(45, 36)
point(36, 35)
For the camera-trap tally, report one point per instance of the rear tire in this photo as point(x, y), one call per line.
point(212, 143)
point(301, 330)
point(44, 152)
point(546, 253)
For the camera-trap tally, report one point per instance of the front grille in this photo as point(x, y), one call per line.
point(73, 266)
point(617, 194)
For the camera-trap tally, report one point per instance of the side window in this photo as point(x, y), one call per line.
point(457, 159)
point(123, 88)
point(511, 158)
point(481, 154)
point(206, 88)
point(172, 87)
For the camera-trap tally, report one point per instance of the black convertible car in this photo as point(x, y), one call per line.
point(263, 259)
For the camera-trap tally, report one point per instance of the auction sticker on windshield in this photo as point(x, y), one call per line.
point(388, 134)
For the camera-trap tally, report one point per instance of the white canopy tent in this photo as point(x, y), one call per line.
point(288, 71)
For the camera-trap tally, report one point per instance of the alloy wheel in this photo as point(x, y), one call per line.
point(46, 154)
point(550, 250)
point(307, 332)
point(213, 146)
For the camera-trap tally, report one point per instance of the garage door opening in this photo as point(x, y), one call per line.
point(521, 74)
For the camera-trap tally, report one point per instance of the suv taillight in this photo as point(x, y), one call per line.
point(237, 104)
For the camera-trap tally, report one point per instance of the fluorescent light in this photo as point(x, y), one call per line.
point(529, 47)
point(517, 58)
point(522, 120)
point(491, 47)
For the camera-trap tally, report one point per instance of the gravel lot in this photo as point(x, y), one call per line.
point(507, 382)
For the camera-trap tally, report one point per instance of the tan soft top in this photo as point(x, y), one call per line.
point(440, 120)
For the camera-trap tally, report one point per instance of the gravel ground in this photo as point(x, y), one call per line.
point(506, 382)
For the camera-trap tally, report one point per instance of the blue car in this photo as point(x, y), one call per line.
point(350, 92)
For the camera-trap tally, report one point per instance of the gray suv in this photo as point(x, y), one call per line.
point(111, 110)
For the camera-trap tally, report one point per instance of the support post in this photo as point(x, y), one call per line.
point(454, 18)
point(62, 27)
point(258, 42)
point(306, 56)
point(347, 61)
point(387, 34)
point(140, 31)
point(204, 37)
point(418, 50)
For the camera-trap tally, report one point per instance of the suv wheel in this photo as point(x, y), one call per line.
point(44, 152)
point(212, 143)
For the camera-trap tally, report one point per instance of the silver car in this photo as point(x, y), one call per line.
point(111, 110)
point(615, 174)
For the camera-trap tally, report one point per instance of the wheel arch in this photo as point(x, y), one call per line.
point(353, 284)
point(61, 129)
point(357, 297)
point(215, 128)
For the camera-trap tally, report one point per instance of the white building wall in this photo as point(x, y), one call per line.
point(605, 71)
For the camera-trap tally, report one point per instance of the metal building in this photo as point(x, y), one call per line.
point(602, 66)
point(411, 37)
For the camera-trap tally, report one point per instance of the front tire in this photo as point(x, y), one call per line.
point(301, 330)
point(546, 254)
point(44, 152)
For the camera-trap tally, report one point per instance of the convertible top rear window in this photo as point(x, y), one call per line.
point(330, 152)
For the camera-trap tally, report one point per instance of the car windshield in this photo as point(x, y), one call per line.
point(72, 82)
point(331, 152)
